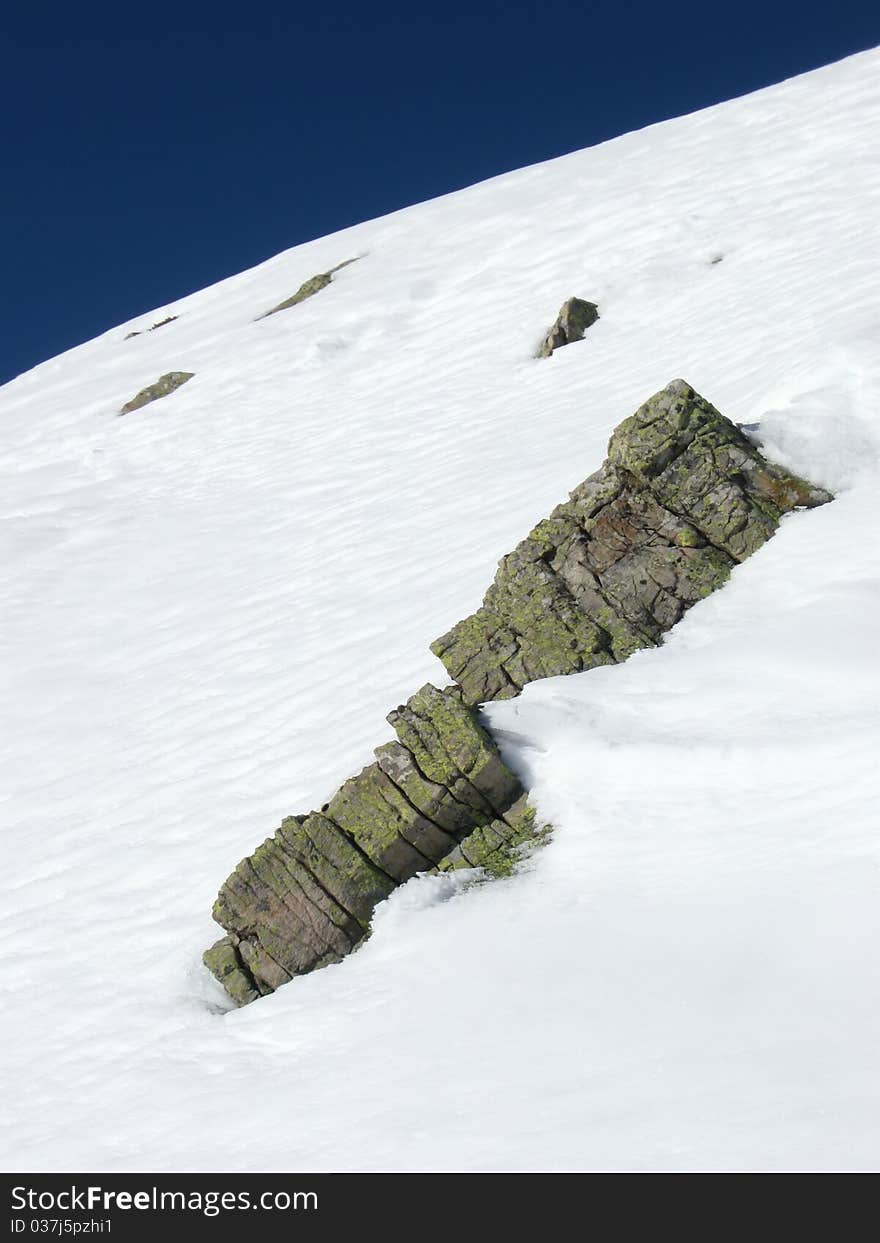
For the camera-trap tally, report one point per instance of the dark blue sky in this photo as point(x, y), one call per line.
point(150, 149)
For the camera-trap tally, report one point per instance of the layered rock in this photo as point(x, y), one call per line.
point(682, 498)
point(305, 897)
point(574, 318)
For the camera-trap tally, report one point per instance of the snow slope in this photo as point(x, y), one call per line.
point(208, 607)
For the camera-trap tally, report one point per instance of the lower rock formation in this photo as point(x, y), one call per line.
point(683, 497)
point(305, 897)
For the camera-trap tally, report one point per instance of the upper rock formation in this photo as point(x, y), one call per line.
point(682, 498)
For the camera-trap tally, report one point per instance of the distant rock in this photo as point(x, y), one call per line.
point(681, 499)
point(164, 385)
point(309, 288)
point(161, 324)
point(574, 318)
point(498, 848)
point(169, 319)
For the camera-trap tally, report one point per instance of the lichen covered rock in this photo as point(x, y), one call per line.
point(164, 385)
point(306, 896)
point(308, 288)
point(574, 318)
point(683, 497)
point(500, 846)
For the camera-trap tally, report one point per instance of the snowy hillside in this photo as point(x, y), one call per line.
point(208, 607)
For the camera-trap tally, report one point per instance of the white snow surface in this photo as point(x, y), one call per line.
point(209, 606)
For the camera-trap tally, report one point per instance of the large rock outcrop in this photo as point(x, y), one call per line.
point(682, 498)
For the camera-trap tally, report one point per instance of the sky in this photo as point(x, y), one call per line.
point(151, 150)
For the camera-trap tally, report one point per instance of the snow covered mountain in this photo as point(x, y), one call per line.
point(210, 604)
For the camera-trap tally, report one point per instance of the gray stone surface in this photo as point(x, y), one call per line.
point(309, 288)
point(682, 498)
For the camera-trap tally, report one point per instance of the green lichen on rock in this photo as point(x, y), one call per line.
point(302, 900)
point(701, 466)
point(574, 318)
point(450, 746)
point(309, 288)
point(138, 332)
point(153, 392)
point(390, 831)
point(683, 497)
point(225, 964)
point(305, 898)
point(499, 847)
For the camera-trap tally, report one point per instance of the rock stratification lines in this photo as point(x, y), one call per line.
point(681, 499)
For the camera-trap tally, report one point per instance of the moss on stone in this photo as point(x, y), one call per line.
point(388, 829)
point(309, 288)
point(153, 392)
point(499, 848)
point(683, 497)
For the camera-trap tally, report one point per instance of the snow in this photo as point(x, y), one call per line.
point(209, 606)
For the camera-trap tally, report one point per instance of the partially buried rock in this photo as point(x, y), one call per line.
point(138, 332)
point(305, 898)
point(308, 288)
point(498, 848)
point(164, 385)
point(682, 498)
point(574, 318)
